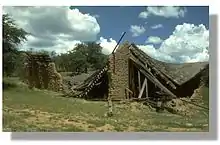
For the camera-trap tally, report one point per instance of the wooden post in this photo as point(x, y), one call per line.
point(132, 79)
point(129, 75)
point(126, 95)
point(139, 81)
point(147, 84)
point(142, 88)
point(129, 92)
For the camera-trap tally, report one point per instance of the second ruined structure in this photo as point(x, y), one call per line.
point(132, 74)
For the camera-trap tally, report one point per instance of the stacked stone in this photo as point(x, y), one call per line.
point(44, 74)
point(118, 68)
point(197, 96)
point(25, 74)
point(40, 75)
point(30, 73)
point(55, 79)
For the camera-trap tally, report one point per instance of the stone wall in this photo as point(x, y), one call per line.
point(119, 78)
point(42, 74)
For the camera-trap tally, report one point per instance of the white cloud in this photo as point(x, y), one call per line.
point(154, 40)
point(143, 15)
point(157, 26)
point(60, 46)
point(163, 11)
point(137, 30)
point(96, 16)
point(107, 46)
point(54, 28)
point(60, 29)
point(188, 43)
point(155, 53)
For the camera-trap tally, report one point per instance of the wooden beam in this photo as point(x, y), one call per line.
point(139, 81)
point(132, 80)
point(146, 89)
point(147, 83)
point(129, 75)
point(142, 88)
point(152, 78)
point(129, 90)
point(164, 76)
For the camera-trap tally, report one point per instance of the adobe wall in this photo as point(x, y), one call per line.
point(41, 73)
point(119, 79)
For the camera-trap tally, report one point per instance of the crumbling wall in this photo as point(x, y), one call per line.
point(42, 74)
point(119, 72)
point(178, 106)
point(55, 79)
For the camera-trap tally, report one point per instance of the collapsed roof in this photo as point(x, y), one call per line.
point(176, 75)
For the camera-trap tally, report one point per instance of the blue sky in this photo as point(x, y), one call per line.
point(115, 20)
point(171, 34)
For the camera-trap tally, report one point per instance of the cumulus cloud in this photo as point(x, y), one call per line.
point(143, 15)
point(163, 11)
point(137, 30)
point(157, 26)
point(107, 45)
point(54, 28)
point(156, 53)
point(60, 29)
point(154, 40)
point(188, 43)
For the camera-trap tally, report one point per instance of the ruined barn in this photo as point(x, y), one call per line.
point(132, 74)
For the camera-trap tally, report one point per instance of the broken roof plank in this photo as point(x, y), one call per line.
point(152, 78)
point(177, 72)
point(150, 65)
point(157, 82)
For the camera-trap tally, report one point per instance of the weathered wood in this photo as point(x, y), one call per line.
point(129, 76)
point(119, 42)
point(132, 80)
point(128, 93)
point(147, 83)
point(161, 74)
point(146, 89)
point(129, 90)
point(139, 81)
point(142, 88)
point(152, 78)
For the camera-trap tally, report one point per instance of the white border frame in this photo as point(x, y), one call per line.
point(212, 135)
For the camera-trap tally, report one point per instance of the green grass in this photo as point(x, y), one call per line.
point(41, 110)
point(205, 93)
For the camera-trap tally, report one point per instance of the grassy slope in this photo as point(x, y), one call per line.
point(35, 110)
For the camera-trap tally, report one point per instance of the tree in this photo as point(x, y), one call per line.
point(81, 58)
point(92, 52)
point(12, 37)
point(95, 55)
point(78, 59)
